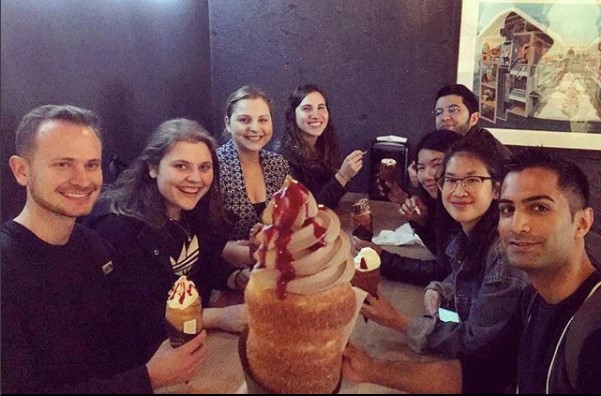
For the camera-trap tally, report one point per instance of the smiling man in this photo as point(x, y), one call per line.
point(545, 215)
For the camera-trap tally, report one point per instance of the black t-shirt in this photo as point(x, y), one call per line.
point(543, 329)
point(525, 349)
point(58, 302)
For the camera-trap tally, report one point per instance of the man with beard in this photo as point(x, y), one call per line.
point(60, 329)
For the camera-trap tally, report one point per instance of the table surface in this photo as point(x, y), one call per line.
point(222, 372)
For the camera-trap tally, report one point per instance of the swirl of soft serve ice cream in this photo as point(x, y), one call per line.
point(367, 260)
point(303, 250)
point(182, 294)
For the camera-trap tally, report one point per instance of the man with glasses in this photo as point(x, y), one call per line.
point(456, 109)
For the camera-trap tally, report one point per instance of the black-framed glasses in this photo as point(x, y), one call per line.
point(452, 109)
point(471, 184)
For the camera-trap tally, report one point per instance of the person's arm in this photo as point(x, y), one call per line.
point(233, 318)
point(237, 253)
point(331, 193)
point(382, 312)
point(328, 194)
point(440, 376)
point(405, 269)
point(489, 312)
point(410, 270)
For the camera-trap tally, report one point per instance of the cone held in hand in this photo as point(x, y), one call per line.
point(367, 271)
point(183, 315)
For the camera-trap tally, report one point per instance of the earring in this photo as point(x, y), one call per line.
point(152, 173)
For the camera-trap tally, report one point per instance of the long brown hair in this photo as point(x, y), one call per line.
point(137, 195)
point(326, 155)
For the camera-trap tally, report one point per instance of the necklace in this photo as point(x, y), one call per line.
point(184, 227)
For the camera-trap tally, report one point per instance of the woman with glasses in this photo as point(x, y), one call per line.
point(482, 289)
point(422, 212)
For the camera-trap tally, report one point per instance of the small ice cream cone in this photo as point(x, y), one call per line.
point(388, 169)
point(367, 271)
point(367, 280)
point(362, 220)
point(183, 315)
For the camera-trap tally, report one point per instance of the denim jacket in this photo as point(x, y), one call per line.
point(484, 295)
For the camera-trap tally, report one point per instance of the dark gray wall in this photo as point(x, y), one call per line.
point(136, 63)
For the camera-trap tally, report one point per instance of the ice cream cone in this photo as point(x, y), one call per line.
point(367, 271)
point(367, 280)
point(388, 170)
point(183, 315)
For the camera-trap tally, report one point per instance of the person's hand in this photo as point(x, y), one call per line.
point(237, 253)
point(395, 193)
point(432, 301)
point(170, 366)
point(356, 364)
point(412, 172)
point(351, 165)
point(241, 279)
point(382, 312)
point(232, 318)
point(414, 209)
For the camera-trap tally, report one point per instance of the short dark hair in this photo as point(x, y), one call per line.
point(468, 97)
point(25, 139)
point(440, 140)
point(570, 178)
point(484, 147)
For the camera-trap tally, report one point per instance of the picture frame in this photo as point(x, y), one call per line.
point(535, 66)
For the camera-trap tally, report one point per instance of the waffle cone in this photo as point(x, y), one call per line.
point(367, 280)
point(184, 324)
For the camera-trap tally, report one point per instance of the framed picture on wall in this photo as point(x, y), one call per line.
point(535, 66)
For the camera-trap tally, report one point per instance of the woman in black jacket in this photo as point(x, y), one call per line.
point(310, 145)
point(163, 218)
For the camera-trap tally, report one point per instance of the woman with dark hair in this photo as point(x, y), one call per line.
point(163, 218)
point(422, 210)
point(310, 145)
point(250, 175)
point(482, 289)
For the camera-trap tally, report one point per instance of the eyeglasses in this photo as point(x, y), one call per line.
point(452, 109)
point(471, 184)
